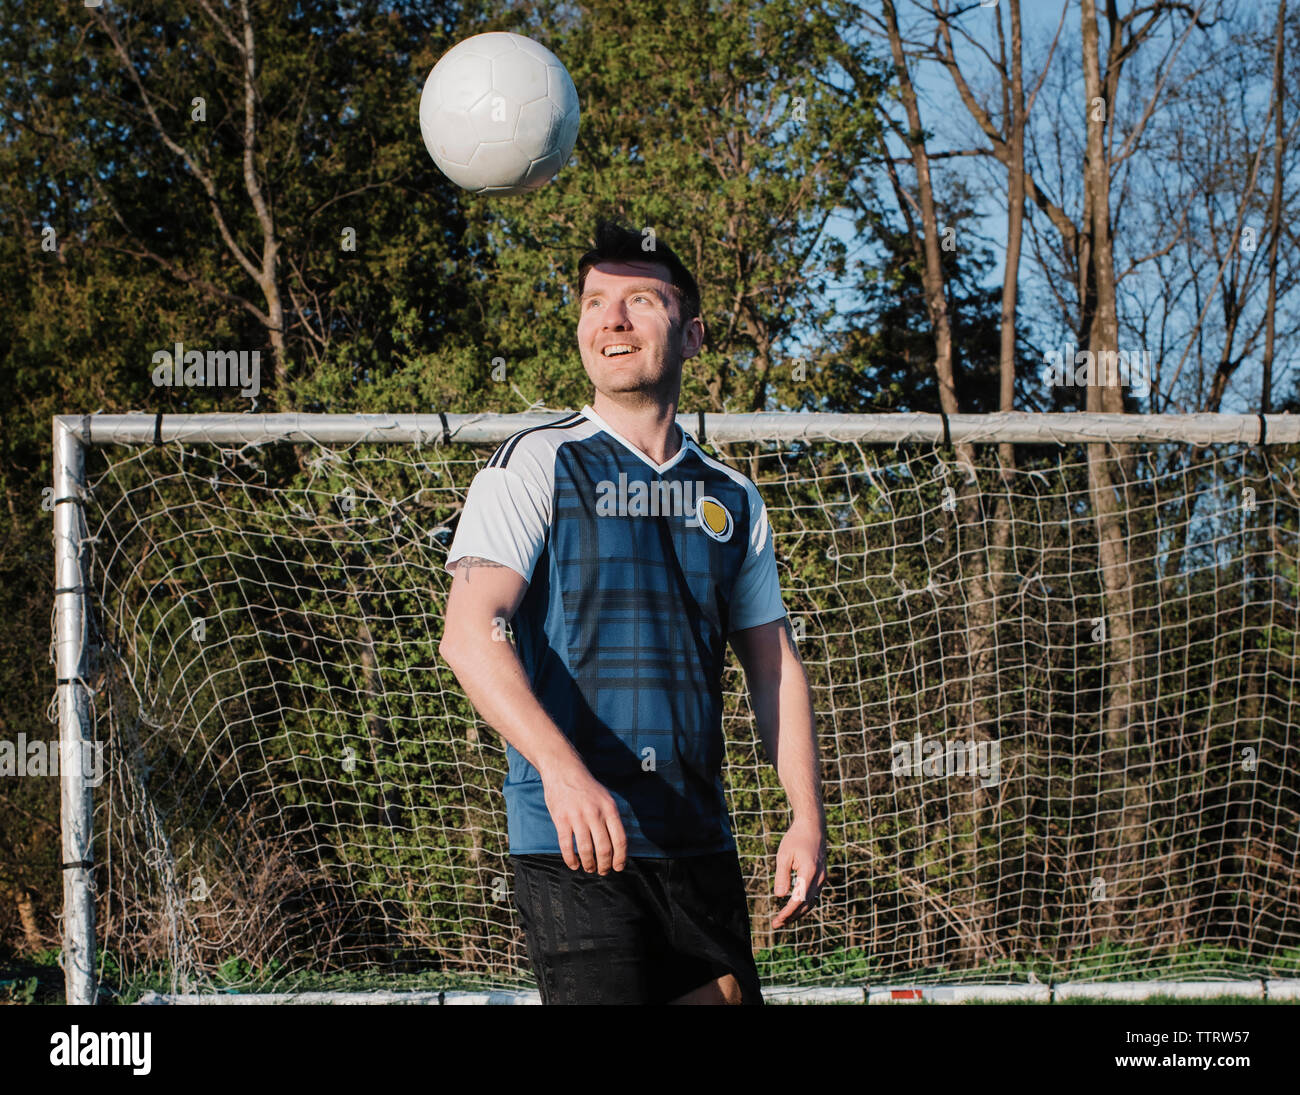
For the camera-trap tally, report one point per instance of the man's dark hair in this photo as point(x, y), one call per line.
point(618, 243)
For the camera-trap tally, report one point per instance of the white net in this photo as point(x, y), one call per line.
point(1031, 771)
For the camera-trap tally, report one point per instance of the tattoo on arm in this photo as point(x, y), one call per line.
point(471, 561)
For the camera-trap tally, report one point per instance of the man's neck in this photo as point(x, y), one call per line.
point(651, 427)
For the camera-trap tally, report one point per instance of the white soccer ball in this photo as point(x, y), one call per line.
point(499, 114)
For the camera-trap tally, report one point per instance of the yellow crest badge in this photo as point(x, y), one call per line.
point(714, 518)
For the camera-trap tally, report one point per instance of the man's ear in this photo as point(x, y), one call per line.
point(688, 334)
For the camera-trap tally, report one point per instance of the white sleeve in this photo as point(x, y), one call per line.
point(757, 598)
point(505, 519)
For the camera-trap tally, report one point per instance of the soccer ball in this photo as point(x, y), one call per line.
point(499, 114)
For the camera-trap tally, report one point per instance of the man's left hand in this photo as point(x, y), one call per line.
point(803, 853)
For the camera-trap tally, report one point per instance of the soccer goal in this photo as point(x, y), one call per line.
point(1053, 659)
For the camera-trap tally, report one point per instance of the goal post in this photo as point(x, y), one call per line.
point(1055, 698)
point(75, 727)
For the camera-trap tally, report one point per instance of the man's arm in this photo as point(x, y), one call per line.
point(484, 595)
point(782, 702)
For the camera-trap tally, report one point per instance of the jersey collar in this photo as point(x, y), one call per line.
point(661, 468)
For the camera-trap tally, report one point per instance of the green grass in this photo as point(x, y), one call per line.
point(1106, 962)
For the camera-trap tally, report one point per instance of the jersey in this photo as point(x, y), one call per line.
point(637, 574)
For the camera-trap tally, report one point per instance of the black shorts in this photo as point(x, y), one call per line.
point(644, 935)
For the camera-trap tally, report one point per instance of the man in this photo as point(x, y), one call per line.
point(626, 559)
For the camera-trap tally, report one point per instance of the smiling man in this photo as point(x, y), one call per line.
point(627, 559)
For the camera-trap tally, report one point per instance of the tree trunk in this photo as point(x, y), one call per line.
point(27, 917)
point(1275, 213)
point(1120, 801)
point(977, 643)
point(1015, 230)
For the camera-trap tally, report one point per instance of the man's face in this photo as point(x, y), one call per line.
point(632, 305)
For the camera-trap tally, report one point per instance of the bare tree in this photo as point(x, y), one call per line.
point(259, 259)
point(1088, 294)
point(979, 647)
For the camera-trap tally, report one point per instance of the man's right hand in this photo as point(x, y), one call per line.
point(585, 813)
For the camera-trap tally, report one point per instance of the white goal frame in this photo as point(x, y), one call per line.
point(74, 434)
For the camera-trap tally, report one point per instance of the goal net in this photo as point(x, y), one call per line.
point(1053, 663)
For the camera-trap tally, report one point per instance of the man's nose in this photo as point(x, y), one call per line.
point(615, 315)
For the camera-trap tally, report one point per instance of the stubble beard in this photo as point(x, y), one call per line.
point(644, 391)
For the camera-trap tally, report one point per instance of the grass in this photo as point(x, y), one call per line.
point(1105, 962)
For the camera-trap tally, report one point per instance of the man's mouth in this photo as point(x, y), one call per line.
point(618, 349)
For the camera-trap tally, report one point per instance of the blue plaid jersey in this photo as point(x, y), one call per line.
point(637, 574)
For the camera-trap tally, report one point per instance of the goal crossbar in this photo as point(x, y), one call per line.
point(878, 429)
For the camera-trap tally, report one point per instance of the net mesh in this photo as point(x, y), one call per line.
point(1040, 760)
